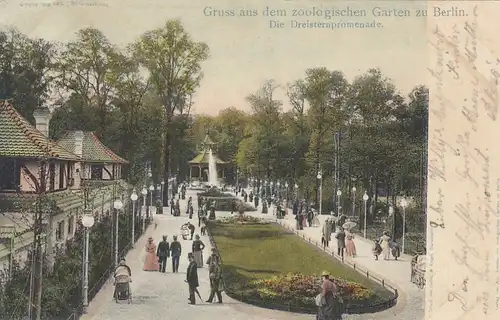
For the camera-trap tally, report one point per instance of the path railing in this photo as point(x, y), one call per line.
point(351, 308)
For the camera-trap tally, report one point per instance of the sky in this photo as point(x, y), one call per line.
point(245, 52)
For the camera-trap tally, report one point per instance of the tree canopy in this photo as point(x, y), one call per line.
point(363, 133)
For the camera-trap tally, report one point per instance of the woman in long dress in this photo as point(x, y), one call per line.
point(331, 306)
point(350, 246)
point(151, 262)
point(198, 247)
point(384, 244)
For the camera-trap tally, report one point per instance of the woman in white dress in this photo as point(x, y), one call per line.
point(384, 244)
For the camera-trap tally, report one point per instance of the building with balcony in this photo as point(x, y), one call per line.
point(31, 164)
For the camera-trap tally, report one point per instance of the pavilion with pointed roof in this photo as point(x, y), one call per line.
point(198, 166)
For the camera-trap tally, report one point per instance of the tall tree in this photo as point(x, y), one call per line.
point(88, 68)
point(25, 66)
point(173, 61)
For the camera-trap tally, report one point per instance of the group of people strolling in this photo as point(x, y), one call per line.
point(214, 273)
point(157, 256)
point(344, 237)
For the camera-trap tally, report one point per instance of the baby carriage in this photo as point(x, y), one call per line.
point(185, 232)
point(122, 288)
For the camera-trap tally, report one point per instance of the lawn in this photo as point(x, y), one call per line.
point(260, 251)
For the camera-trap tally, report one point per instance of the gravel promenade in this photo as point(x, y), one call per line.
point(164, 296)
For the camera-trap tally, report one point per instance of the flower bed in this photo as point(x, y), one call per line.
point(241, 219)
point(300, 289)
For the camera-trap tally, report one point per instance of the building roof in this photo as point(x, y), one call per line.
point(19, 139)
point(92, 150)
point(202, 158)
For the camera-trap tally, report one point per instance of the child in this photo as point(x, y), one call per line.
point(395, 250)
point(377, 249)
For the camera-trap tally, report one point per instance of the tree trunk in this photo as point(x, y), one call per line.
point(166, 165)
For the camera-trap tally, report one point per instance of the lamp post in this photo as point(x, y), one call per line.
point(391, 211)
point(339, 194)
point(353, 202)
point(87, 222)
point(320, 178)
point(118, 205)
point(134, 198)
point(151, 190)
point(162, 186)
point(404, 204)
point(144, 193)
point(365, 200)
point(286, 189)
point(296, 192)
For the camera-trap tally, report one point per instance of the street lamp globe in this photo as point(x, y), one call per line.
point(144, 191)
point(88, 221)
point(404, 203)
point(339, 193)
point(353, 189)
point(319, 175)
point(391, 210)
point(151, 188)
point(134, 196)
point(118, 204)
point(286, 184)
point(296, 186)
point(365, 197)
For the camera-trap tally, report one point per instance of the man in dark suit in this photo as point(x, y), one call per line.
point(163, 252)
point(192, 278)
point(175, 250)
point(340, 242)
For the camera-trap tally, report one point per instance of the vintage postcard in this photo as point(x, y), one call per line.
point(241, 159)
point(463, 194)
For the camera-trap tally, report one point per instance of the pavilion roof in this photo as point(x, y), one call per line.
point(202, 158)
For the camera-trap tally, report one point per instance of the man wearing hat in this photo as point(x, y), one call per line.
point(192, 278)
point(175, 250)
point(163, 253)
point(214, 257)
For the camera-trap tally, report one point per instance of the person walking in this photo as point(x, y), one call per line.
point(340, 242)
point(151, 261)
point(350, 246)
point(191, 229)
point(384, 244)
point(175, 252)
point(216, 285)
point(192, 278)
point(163, 252)
point(330, 304)
point(326, 232)
point(198, 247)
